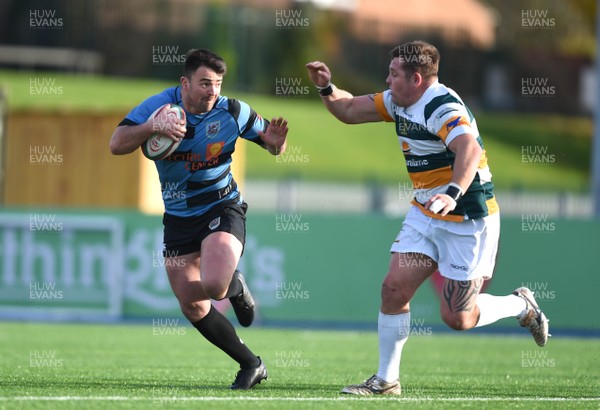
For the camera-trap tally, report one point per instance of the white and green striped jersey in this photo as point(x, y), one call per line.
point(425, 129)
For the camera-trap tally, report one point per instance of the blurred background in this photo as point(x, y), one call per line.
point(80, 229)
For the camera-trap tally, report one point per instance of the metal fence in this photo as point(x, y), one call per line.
point(299, 196)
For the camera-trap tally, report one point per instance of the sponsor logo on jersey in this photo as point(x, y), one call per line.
point(193, 160)
point(444, 112)
point(214, 150)
point(450, 125)
point(417, 162)
point(453, 124)
point(194, 166)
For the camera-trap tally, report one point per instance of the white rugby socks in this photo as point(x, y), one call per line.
point(393, 331)
point(493, 308)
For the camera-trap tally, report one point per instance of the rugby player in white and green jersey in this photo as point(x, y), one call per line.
point(447, 164)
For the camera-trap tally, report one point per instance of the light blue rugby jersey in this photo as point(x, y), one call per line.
point(197, 176)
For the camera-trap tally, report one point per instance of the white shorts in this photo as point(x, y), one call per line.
point(463, 250)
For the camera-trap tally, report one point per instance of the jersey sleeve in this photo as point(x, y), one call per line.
point(249, 122)
point(449, 121)
point(142, 112)
point(384, 105)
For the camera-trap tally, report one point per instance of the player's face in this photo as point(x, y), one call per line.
point(200, 91)
point(402, 86)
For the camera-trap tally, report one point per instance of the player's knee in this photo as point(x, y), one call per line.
point(459, 321)
point(214, 289)
point(193, 311)
point(393, 291)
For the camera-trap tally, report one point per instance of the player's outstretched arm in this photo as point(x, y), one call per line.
point(275, 137)
point(343, 105)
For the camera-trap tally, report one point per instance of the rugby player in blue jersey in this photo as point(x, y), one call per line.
point(204, 220)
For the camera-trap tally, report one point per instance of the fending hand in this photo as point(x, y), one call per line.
point(275, 135)
point(319, 73)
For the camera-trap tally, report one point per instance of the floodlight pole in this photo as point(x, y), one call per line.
point(596, 139)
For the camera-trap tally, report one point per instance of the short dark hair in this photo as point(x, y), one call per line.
point(198, 57)
point(418, 56)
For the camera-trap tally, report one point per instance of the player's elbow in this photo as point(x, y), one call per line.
point(347, 116)
point(348, 120)
point(352, 116)
point(344, 115)
point(115, 147)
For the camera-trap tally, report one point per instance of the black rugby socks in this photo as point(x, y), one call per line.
point(235, 287)
point(220, 332)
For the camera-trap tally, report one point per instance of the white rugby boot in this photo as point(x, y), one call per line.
point(374, 385)
point(532, 317)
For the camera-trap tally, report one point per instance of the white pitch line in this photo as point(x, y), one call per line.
point(294, 399)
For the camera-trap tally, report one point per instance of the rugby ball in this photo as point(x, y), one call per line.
point(159, 146)
point(436, 206)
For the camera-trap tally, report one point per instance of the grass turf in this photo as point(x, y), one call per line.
point(72, 366)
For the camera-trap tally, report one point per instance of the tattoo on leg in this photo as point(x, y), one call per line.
point(461, 295)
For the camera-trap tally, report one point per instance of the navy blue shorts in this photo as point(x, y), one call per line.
point(184, 235)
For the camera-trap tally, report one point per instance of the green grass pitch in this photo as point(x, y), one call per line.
point(146, 366)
